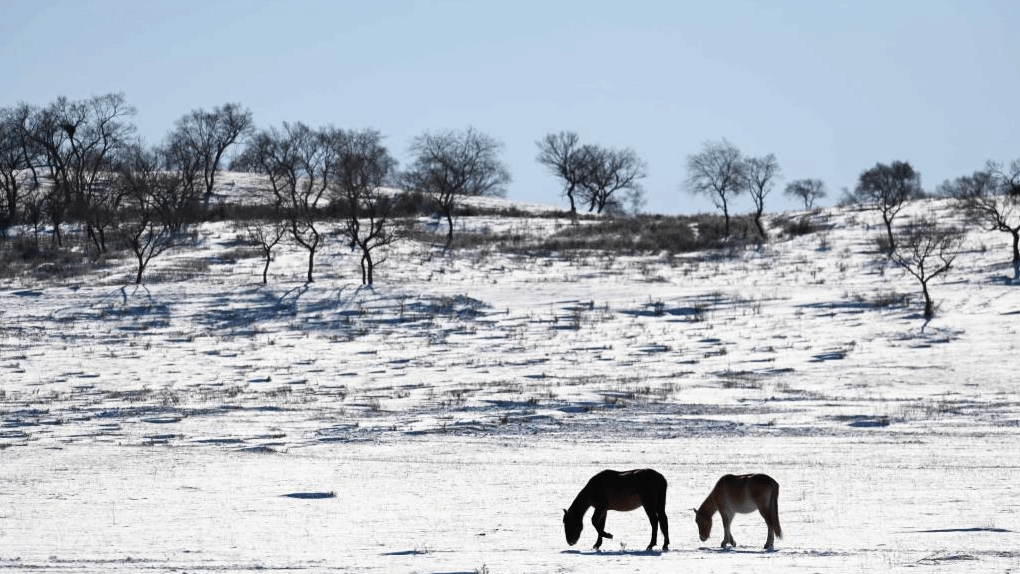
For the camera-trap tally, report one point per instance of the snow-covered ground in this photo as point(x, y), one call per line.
point(441, 420)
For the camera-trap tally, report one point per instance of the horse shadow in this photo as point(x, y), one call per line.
point(621, 552)
point(738, 550)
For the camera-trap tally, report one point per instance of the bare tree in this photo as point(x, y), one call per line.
point(178, 156)
point(362, 166)
point(568, 160)
point(296, 162)
point(79, 140)
point(144, 221)
point(717, 173)
point(270, 153)
point(205, 136)
point(888, 188)
point(592, 174)
point(12, 163)
point(611, 171)
point(760, 174)
point(267, 233)
point(991, 199)
point(927, 250)
point(448, 166)
point(807, 190)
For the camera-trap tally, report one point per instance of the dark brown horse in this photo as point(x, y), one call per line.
point(743, 494)
point(620, 491)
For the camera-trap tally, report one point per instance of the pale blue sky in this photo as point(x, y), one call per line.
point(830, 87)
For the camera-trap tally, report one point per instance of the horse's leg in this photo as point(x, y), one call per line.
point(654, 520)
point(598, 520)
point(771, 538)
point(664, 524)
point(727, 517)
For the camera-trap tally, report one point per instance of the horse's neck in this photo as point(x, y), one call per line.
point(708, 507)
point(581, 503)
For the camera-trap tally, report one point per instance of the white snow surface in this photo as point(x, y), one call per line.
point(440, 420)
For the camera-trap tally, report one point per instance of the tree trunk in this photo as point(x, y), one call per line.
point(265, 270)
point(1016, 245)
point(888, 230)
point(570, 196)
point(761, 228)
point(366, 268)
point(929, 308)
point(311, 264)
point(141, 268)
point(449, 228)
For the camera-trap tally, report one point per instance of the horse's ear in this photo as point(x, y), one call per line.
point(695, 510)
point(564, 512)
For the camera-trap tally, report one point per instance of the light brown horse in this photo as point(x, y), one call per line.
point(620, 491)
point(741, 494)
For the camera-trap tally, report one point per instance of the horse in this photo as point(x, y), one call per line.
point(741, 494)
point(620, 491)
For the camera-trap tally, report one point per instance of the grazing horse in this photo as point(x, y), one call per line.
point(620, 491)
point(743, 494)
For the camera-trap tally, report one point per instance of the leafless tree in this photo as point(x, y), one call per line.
point(34, 213)
point(568, 160)
point(611, 171)
point(717, 172)
point(12, 163)
point(888, 188)
point(451, 165)
point(297, 163)
point(760, 174)
point(179, 157)
point(361, 167)
point(927, 250)
point(267, 233)
point(808, 190)
point(271, 153)
point(591, 173)
point(991, 199)
point(79, 140)
point(145, 218)
point(203, 136)
point(19, 120)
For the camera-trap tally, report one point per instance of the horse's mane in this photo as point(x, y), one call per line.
point(582, 501)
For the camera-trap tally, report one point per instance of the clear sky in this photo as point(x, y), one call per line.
point(830, 87)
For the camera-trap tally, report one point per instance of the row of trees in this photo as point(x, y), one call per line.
point(925, 247)
point(80, 162)
point(721, 172)
point(353, 176)
point(77, 148)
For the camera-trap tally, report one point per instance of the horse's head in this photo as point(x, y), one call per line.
point(704, 524)
point(572, 526)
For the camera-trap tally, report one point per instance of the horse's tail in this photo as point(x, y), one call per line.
point(662, 498)
point(774, 511)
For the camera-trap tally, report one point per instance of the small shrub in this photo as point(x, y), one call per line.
point(797, 226)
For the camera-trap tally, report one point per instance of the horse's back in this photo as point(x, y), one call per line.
point(637, 477)
point(629, 489)
point(745, 492)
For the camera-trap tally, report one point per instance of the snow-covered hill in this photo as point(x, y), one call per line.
point(440, 419)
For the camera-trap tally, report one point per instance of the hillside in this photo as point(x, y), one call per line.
point(806, 357)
